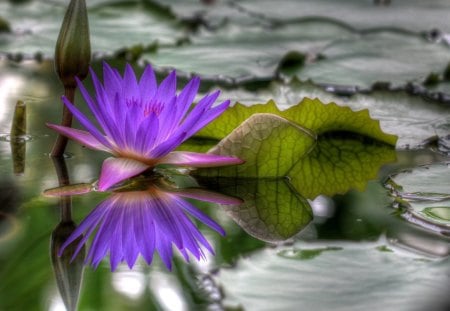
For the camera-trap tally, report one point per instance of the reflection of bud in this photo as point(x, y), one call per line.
point(73, 48)
point(68, 272)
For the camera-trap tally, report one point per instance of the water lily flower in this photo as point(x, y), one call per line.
point(142, 222)
point(141, 123)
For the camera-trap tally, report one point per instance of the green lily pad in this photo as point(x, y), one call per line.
point(113, 26)
point(281, 279)
point(348, 151)
point(271, 210)
point(413, 118)
point(237, 52)
point(309, 113)
point(414, 15)
point(269, 144)
point(337, 164)
point(425, 193)
point(394, 57)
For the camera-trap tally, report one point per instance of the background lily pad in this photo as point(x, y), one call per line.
point(425, 193)
point(35, 26)
point(300, 278)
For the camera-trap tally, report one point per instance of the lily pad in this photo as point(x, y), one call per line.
point(282, 279)
point(269, 145)
point(413, 118)
point(337, 164)
point(425, 193)
point(340, 158)
point(35, 26)
point(414, 15)
point(388, 56)
point(237, 52)
point(309, 113)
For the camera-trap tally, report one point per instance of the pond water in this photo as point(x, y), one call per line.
point(326, 214)
point(358, 250)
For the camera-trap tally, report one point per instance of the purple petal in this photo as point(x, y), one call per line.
point(116, 250)
point(189, 242)
point(167, 88)
point(147, 133)
point(130, 86)
point(164, 248)
point(86, 123)
point(164, 220)
point(165, 147)
point(168, 117)
point(144, 231)
point(95, 109)
point(82, 137)
point(186, 158)
point(115, 170)
point(147, 84)
point(197, 114)
point(111, 81)
point(207, 117)
point(198, 214)
point(103, 99)
point(186, 97)
point(87, 225)
point(131, 250)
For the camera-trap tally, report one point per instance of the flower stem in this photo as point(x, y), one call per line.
point(61, 141)
point(65, 202)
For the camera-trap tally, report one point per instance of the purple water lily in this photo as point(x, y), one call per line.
point(136, 223)
point(141, 123)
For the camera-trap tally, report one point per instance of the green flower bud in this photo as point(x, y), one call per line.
point(73, 48)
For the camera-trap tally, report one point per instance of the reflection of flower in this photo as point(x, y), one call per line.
point(142, 222)
point(142, 123)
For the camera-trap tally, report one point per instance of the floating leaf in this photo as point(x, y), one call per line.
point(309, 113)
point(413, 117)
point(337, 164)
point(360, 14)
point(363, 277)
point(269, 144)
point(35, 26)
point(272, 210)
point(246, 51)
point(347, 152)
point(424, 192)
point(395, 57)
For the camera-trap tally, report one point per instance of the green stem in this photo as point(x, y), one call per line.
point(61, 141)
point(65, 202)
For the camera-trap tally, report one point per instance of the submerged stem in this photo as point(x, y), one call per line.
point(61, 141)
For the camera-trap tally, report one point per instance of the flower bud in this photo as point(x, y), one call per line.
point(73, 48)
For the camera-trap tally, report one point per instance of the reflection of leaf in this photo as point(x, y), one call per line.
point(309, 113)
point(272, 210)
point(338, 164)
